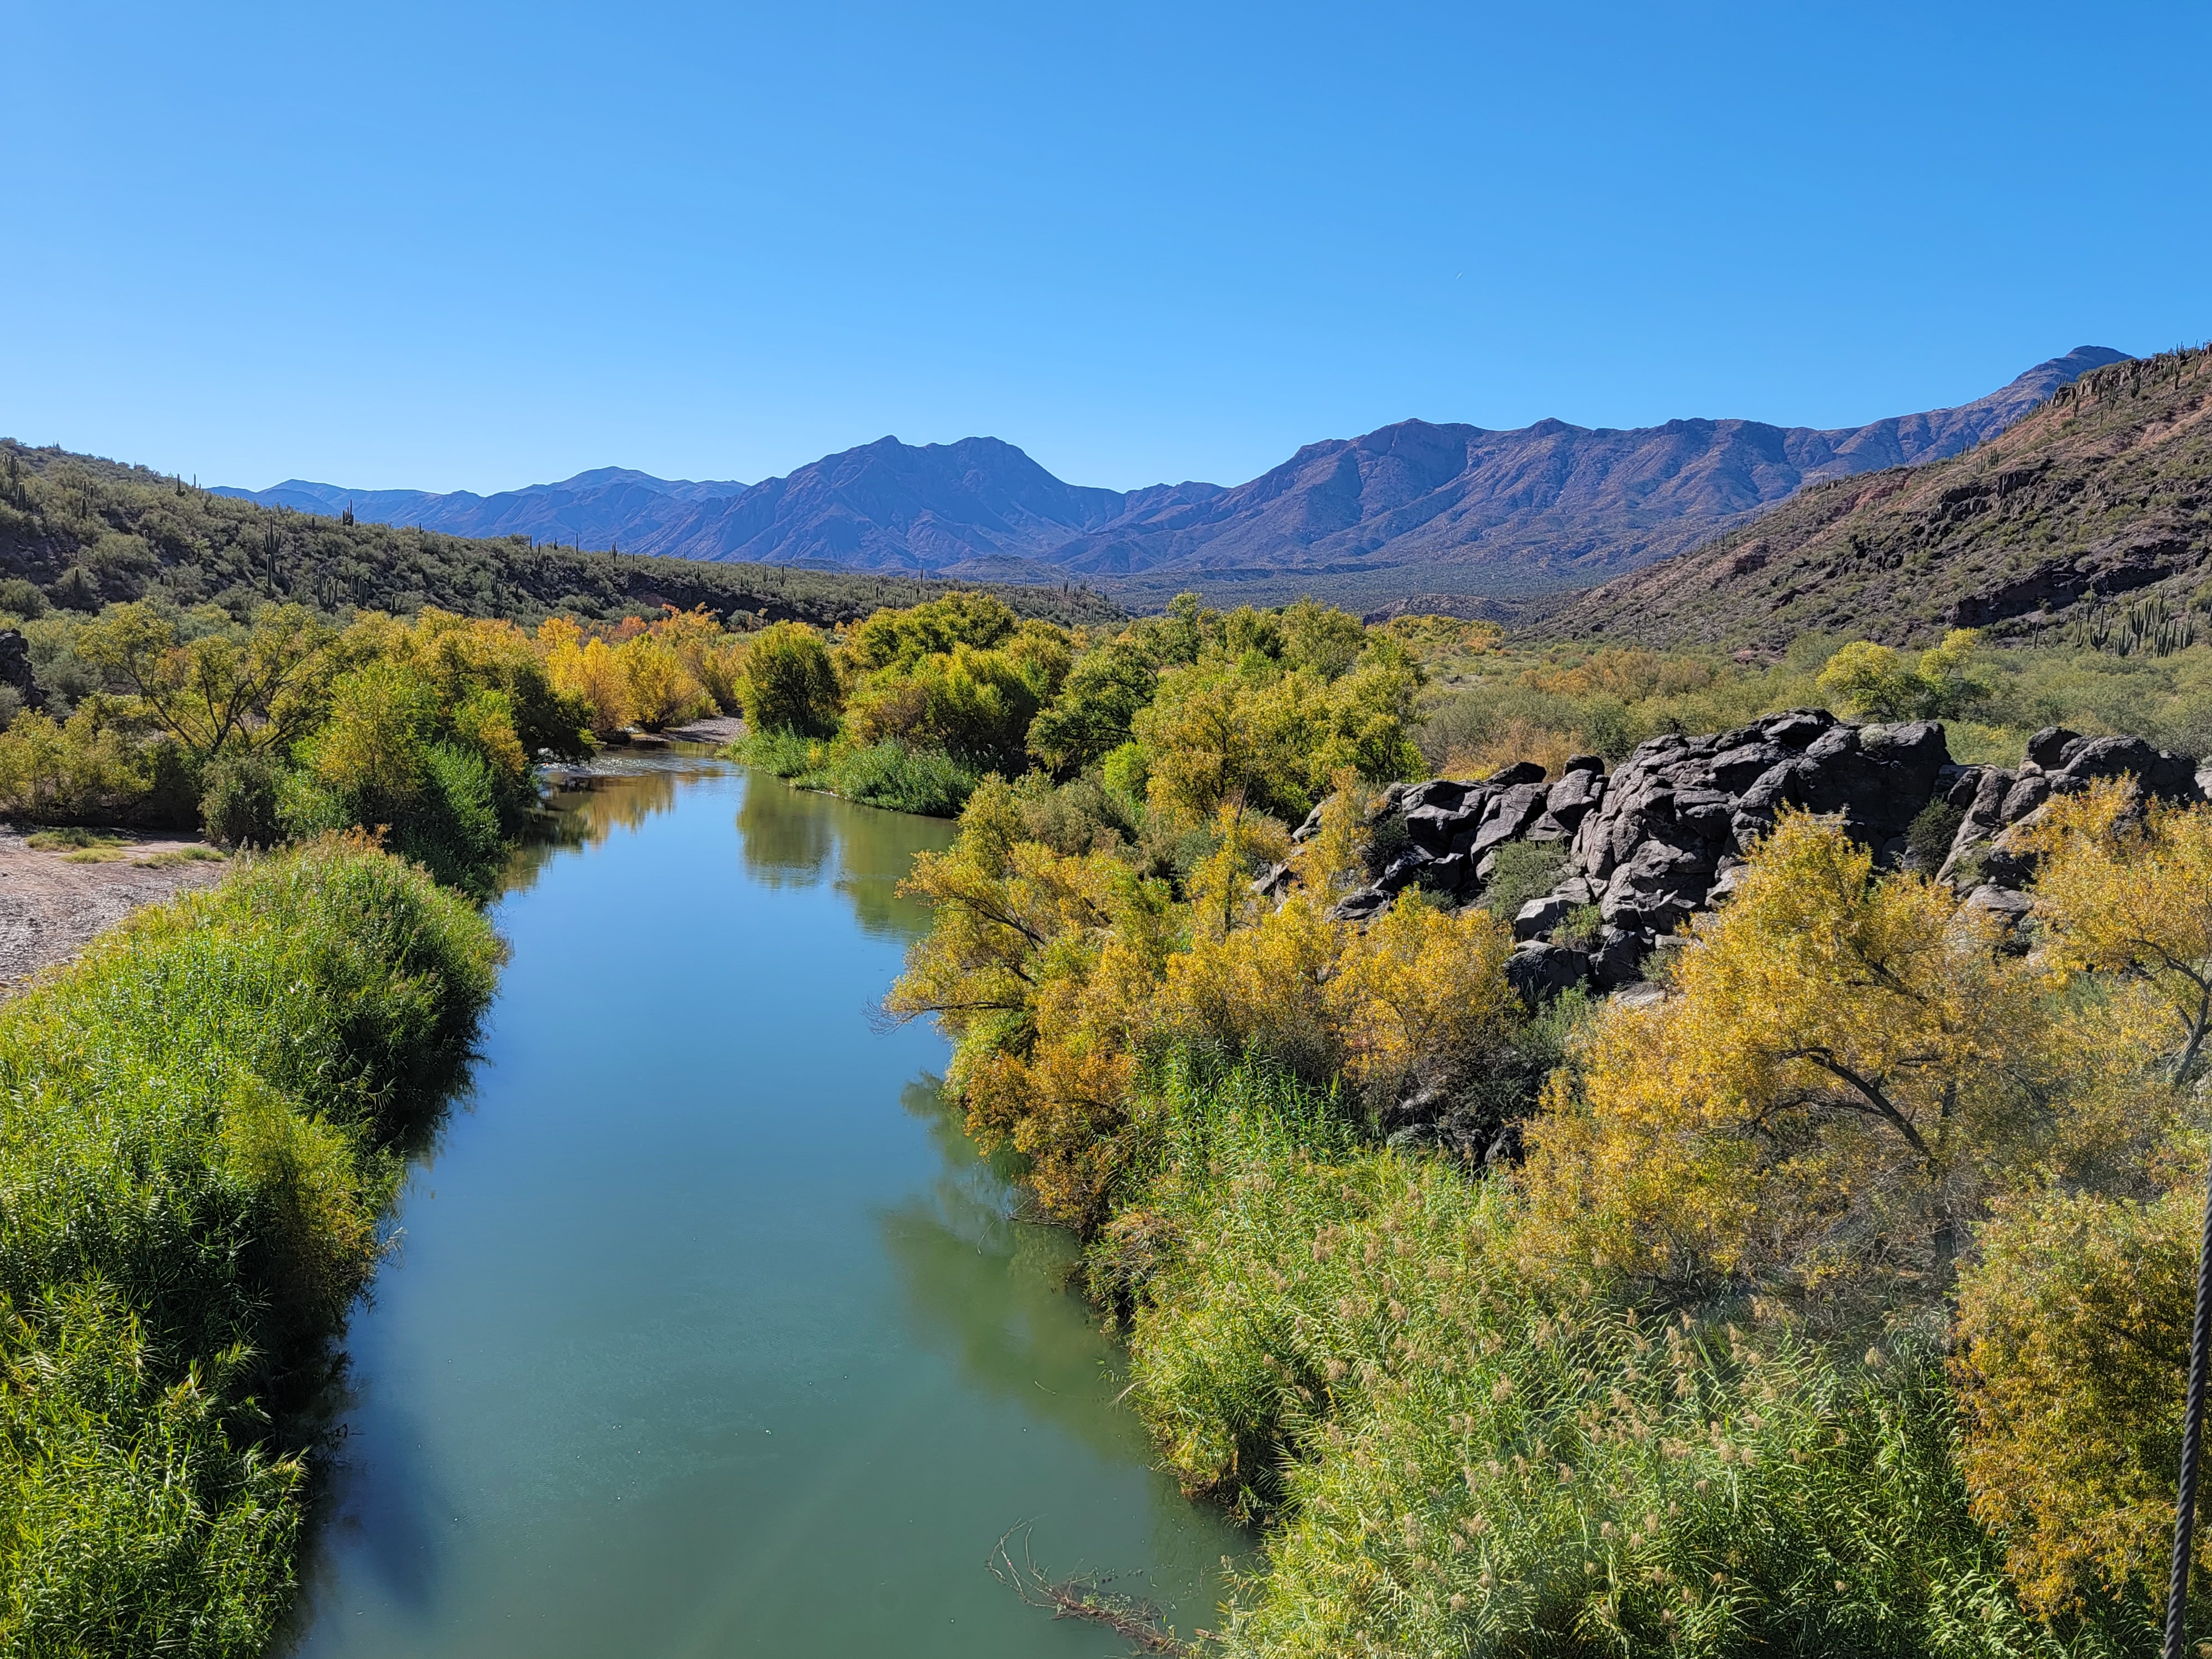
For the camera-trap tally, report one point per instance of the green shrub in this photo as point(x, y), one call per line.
point(785, 753)
point(238, 801)
point(1525, 869)
point(200, 1124)
point(1930, 836)
point(1343, 1338)
point(786, 683)
point(889, 773)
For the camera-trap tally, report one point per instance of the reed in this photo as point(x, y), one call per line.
point(201, 1122)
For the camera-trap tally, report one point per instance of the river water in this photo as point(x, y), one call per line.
point(708, 1334)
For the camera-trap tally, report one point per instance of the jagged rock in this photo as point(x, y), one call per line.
point(2008, 909)
point(1307, 830)
point(1617, 959)
point(1989, 844)
point(1508, 816)
point(2047, 748)
point(1275, 883)
point(1405, 871)
point(1367, 902)
point(2024, 796)
point(1658, 887)
point(1540, 971)
point(2158, 772)
point(1577, 890)
point(1513, 776)
point(1643, 993)
point(1440, 816)
point(1538, 916)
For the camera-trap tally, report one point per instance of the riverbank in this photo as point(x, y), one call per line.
point(200, 1134)
point(53, 900)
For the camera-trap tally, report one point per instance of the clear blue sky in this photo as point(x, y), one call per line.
point(467, 245)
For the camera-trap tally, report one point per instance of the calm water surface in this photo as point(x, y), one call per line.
point(708, 1334)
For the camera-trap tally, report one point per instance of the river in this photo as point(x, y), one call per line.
point(708, 1333)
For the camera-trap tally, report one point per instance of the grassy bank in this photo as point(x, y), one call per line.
point(1457, 1458)
point(204, 1119)
point(1834, 1302)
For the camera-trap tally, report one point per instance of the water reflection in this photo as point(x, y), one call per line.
point(792, 837)
point(699, 1344)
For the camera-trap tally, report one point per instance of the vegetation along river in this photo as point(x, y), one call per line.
point(708, 1334)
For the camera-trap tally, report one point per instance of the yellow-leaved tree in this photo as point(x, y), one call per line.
point(1816, 1108)
point(1039, 966)
point(2073, 1327)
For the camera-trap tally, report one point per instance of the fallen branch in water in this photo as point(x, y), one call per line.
point(1086, 1596)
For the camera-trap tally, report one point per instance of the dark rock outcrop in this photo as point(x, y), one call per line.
point(1666, 836)
point(16, 668)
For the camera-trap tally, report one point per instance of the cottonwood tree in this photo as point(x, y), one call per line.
point(228, 689)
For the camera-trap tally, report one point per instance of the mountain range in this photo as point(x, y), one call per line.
point(2091, 517)
point(1410, 507)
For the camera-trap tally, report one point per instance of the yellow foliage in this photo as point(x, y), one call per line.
point(1422, 1001)
point(2130, 892)
point(1845, 1061)
point(2073, 1345)
point(587, 668)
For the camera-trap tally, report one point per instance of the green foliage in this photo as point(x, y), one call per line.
point(198, 1140)
point(1930, 836)
point(238, 801)
point(887, 774)
point(788, 684)
point(1340, 1338)
point(1525, 869)
point(1096, 709)
point(1871, 681)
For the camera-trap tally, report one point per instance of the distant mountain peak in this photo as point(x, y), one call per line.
point(1411, 505)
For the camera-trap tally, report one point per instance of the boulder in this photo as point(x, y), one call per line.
point(1617, 959)
point(1538, 916)
point(2047, 748)
point(1508, 818)
point(1362, 906)
point(1540, 971)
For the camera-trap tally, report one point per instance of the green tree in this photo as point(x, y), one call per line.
point(1096, 708)
point(788, 684)
point(1872, 682)
point(253, 688)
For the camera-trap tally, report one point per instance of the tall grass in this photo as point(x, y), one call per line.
point(1339, 1340)
point(200, 1121)
point(888, 773)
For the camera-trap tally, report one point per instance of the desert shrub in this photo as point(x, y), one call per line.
point(1930, 836)
point(238, 801)
point(1525, 869)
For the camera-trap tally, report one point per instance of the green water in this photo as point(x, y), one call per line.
point(708, 1334)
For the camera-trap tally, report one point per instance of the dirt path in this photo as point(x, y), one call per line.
point(50, 906)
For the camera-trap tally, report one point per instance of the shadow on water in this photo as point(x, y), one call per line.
point(994, 1294)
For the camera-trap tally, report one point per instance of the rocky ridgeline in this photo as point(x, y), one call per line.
point(1664, 837)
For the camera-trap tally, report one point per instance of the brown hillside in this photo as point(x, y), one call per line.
point(2092, 514)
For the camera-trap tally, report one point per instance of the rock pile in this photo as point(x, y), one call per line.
point(1664, 837)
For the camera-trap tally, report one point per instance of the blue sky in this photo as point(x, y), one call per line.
point(468, 246)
